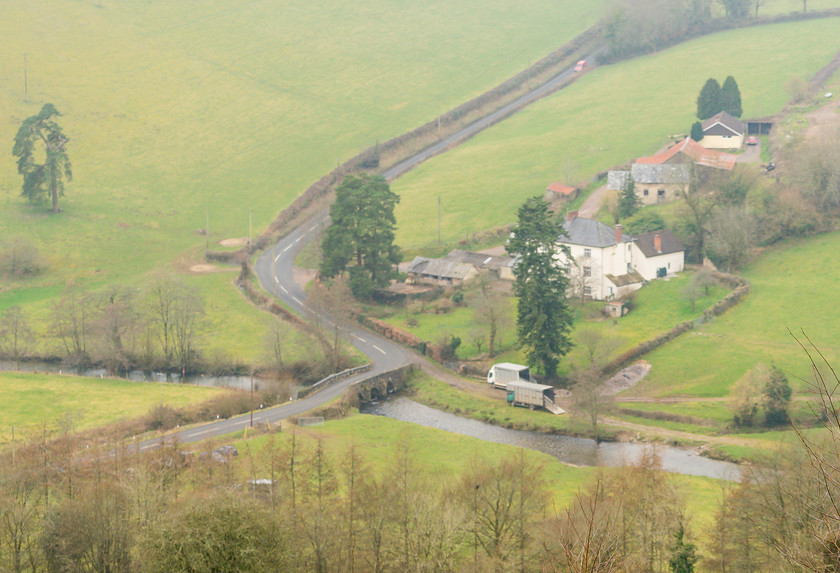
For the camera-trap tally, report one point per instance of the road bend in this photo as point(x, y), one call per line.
point(274, 269)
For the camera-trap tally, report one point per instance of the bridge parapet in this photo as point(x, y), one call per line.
point(379, 386)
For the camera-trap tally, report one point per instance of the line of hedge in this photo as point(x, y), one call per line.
point(261, 299)
point(401, 148)
point(741, 289)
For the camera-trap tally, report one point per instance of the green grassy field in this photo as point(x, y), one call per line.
point(658, 307)
point(609, 116)
point(446, 455)
point(30, 402)
point(177, 110)
point(792, 290)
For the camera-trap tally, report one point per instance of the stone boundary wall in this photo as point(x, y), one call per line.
point(741, 289)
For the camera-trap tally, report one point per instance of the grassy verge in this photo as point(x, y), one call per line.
point(30, 402)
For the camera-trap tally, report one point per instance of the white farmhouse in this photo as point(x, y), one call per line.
point(606, 263)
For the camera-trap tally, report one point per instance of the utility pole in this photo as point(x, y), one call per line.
point(25, 79)
point(273, 271)
point(249, 226)
point(251, 400)
point(207, 228)
point(438, 219)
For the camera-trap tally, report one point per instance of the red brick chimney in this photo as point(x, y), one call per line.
point(657, 243)
point(571, 215)
point(618, 233)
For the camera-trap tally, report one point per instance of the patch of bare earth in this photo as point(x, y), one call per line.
point(204, 269)
point(302, 277)
point(235, 242)
point(823, 119)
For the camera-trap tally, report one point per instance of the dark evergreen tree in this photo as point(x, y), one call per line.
point(41, 136)
point(683, 555)
point(544, 320)
point(628, 201)
point(697, 131)
point(361, 236)
point(708, 102)
point(777, 395)
point(730, 97)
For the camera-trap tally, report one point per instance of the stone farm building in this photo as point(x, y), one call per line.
point(606, 263)
point(652, 183)
point(458, 267)
point(689, 151)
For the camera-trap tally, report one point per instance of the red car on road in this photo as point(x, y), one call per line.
point(580, 65)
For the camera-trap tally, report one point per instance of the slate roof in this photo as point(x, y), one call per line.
point(590, 233)
point(652, 174)
point(732, 124)
point(478, 260)
point(440, 268)
point(670, 243)
point(617, 180)
point(696, 152)
point(624, 280)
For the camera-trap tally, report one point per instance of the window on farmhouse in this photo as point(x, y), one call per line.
point(587, 291)
point(587, 271)
point(587, 252)
point(646, 192)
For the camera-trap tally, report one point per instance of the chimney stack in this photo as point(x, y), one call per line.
point(571, 215)
point(619, 233)
point(657, 243)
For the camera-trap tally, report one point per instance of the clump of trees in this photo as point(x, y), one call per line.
point(360, 240)
point(19, 258)
point(761, 389)
point(643, 27)
point(715, 98)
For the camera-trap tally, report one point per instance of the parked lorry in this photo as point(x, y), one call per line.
point(501, 374)
point(530, 395)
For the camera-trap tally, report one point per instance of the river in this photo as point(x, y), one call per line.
point(571, 450)
point(233, 382)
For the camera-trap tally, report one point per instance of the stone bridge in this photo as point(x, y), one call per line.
point(379, 386)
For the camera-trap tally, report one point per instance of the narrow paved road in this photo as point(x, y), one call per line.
point(274, 269)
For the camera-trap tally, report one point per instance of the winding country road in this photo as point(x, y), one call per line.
point(275, 267)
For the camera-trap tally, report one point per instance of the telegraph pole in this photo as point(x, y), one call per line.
point(438, 219)
point(25, 79)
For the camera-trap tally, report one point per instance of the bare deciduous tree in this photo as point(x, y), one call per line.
point(16, 338)
point(588, 392)
point(71, 319)
point(115, 325)
point(586, 538)
point(19, 257)
point(732, 233)
point(332, 308)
